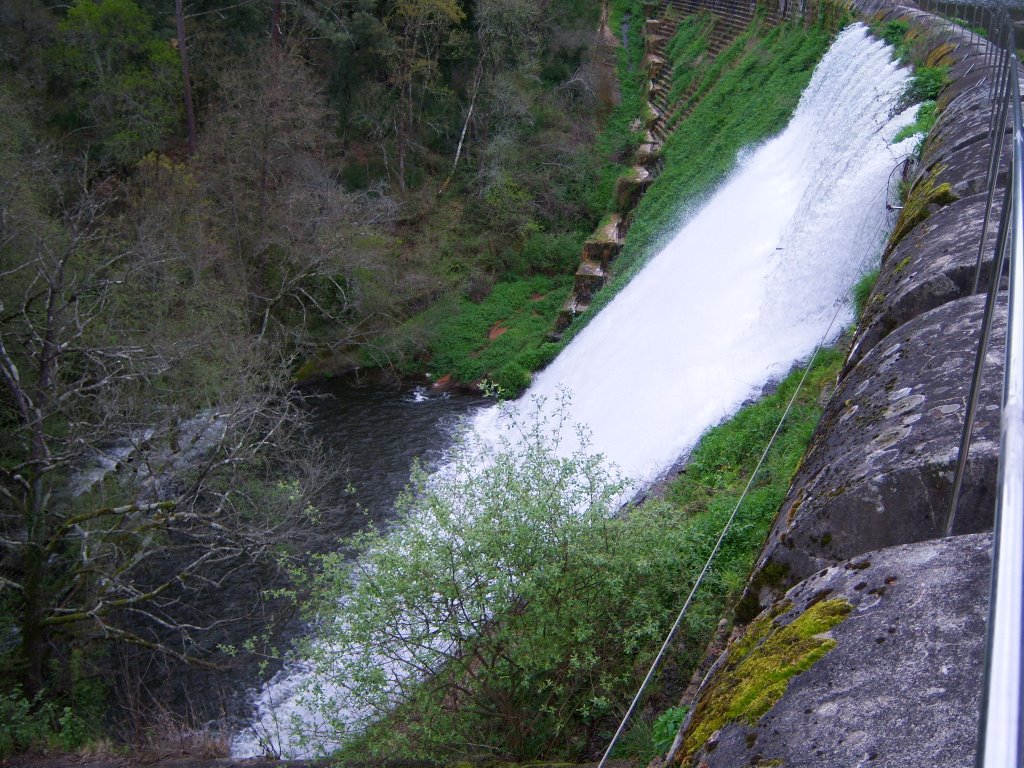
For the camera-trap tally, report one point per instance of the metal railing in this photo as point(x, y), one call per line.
point(991, 35)
point(992, 29)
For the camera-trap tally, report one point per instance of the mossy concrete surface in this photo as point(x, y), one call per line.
point(927, 195)
point(901, 685)
point(879, 469)
point(759, 666)
point(933, 265)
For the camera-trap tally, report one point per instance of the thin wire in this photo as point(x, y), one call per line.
point(725, 530)
point(718, 545)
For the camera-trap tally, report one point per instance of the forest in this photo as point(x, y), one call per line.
point(206, 205)
point(201, 203)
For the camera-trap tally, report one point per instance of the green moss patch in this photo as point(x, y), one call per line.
point(760, 665)
point(918, 206)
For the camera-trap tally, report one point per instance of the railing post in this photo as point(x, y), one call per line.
point(1000, 726)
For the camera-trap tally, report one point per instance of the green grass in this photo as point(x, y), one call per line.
point(862, 292)
point(744, 103)
point(923, 122)
point(685, 52)
point(727, 454)
point(525, 308)
point(895, 34)
point(701, 499)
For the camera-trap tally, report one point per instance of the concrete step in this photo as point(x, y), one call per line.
point(879, 472)
point(590, 278)
point(933, 265)
point(604, 245)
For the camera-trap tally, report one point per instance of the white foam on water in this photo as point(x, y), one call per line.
point(746, 288)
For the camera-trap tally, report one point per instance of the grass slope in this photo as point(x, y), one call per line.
point(748, 95)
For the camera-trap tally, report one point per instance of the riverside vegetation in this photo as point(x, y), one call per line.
point(510, 613)
point(195, 198)
point(201, 202)
point(496, 663)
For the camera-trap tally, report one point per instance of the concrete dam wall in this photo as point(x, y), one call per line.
point(860, 638)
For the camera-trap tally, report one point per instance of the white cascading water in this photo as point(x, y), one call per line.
point(750, 285)
point(752, 282)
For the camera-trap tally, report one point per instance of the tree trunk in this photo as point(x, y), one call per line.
point(33, 636)
point(404, 123)
point(190, 114)
point(275, 23)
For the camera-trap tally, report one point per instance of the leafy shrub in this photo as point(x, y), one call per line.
point(511, 585)
point(513, 379)
point(551, 253)
point(20, 727)
point(926, 84)
point(667, 726)
point(892, 32)
point(39, 724)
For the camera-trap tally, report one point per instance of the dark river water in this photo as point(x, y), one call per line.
point(374, 434)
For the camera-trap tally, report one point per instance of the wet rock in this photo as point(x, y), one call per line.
point(902, 685)
point(880, 466)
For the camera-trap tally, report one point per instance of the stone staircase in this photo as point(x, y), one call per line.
point(729, 18)
point(595, 266)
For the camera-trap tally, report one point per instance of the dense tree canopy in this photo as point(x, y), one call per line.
point(196, 198)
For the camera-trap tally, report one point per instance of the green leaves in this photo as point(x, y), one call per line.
point(507, 580)
point(511, 611)
point(667, 726)
point(120, 81)
point(926, 84)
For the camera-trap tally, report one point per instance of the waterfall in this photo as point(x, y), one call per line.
point(752, 282)
point(746, 288)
